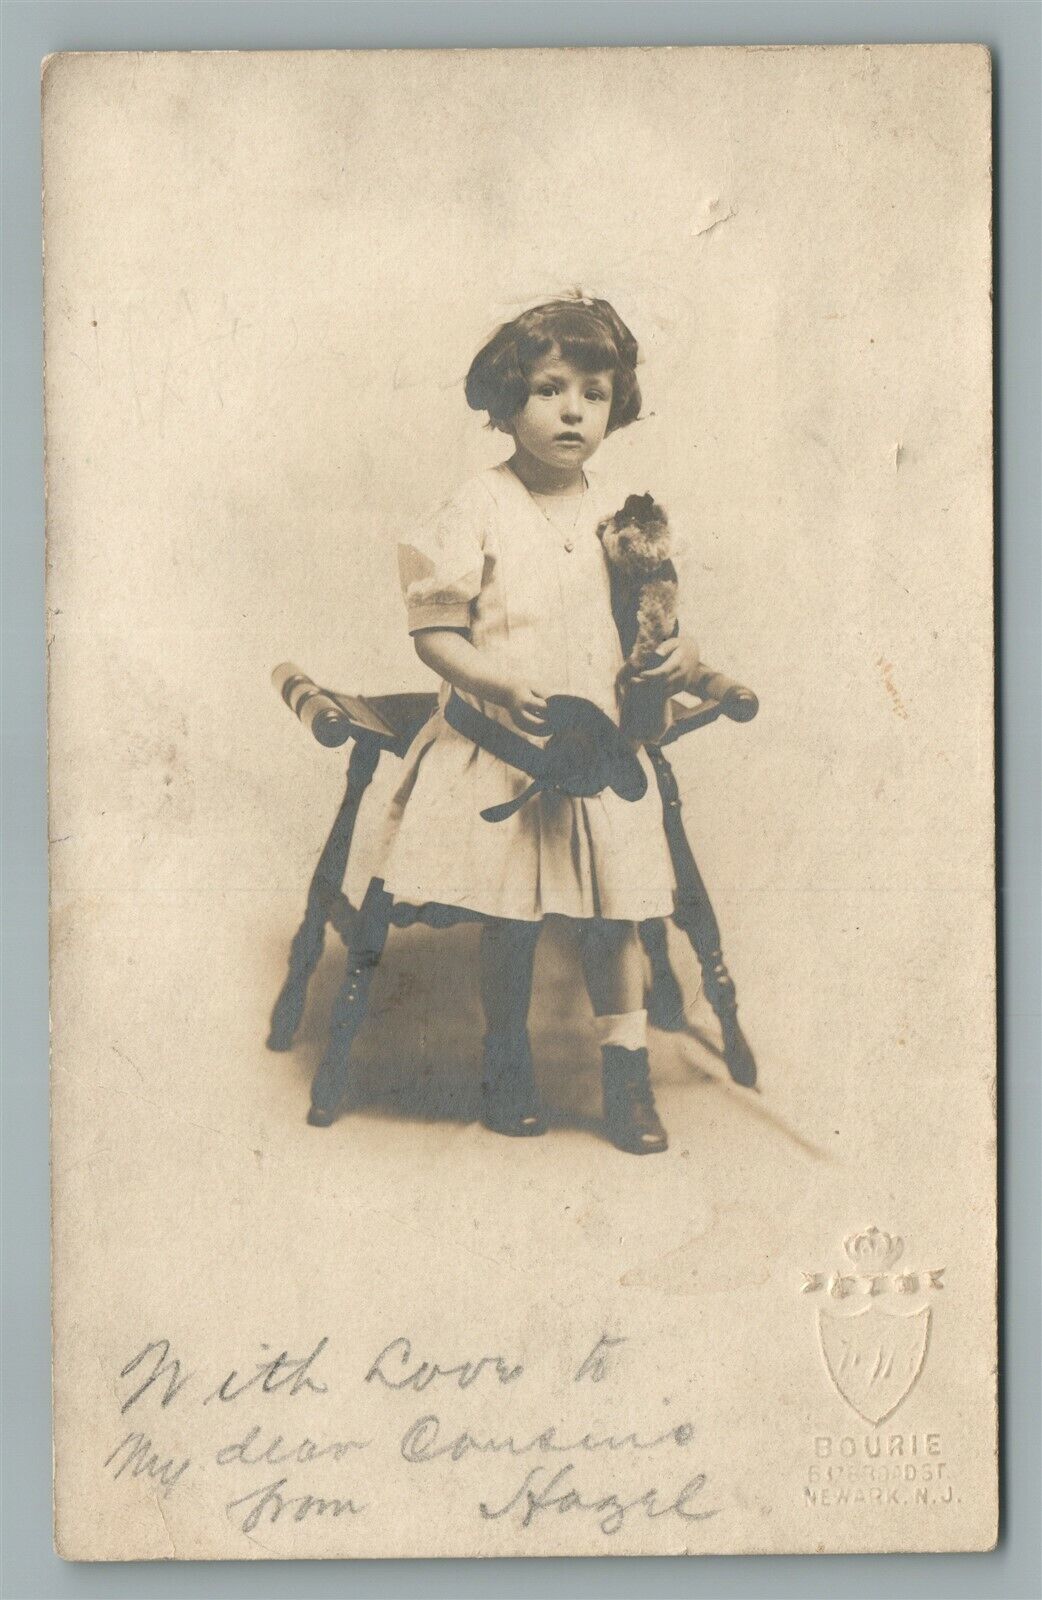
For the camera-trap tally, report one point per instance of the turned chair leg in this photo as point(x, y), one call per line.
point(352, 1002)
point(324, 893)
point(665, 996)
point(694, 914)
point(719, 987)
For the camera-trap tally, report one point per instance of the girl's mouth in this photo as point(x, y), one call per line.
point(569, 438)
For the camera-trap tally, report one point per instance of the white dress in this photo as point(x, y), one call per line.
point(489, 560)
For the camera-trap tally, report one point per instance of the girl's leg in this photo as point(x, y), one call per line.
point(507, 957)
point(613, 967)
point(510, 1101)
point(615, 979)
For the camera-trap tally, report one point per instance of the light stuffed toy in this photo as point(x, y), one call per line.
point(638, 547)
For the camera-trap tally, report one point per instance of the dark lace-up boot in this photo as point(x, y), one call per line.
point(629, 1106)
point(509, 1098)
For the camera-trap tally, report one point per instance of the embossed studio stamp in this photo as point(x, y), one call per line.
point(874, 1352)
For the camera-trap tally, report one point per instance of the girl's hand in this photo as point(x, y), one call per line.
point(677, 668)
point(450, 653)
point(527, 708)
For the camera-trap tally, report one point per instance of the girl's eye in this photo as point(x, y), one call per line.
point(546, 389)
point(595, 394)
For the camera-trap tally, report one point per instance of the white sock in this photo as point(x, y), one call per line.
point(626, 1028)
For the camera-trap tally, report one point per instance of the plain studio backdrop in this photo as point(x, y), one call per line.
point(265, 279)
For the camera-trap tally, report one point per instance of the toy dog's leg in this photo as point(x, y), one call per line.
point(665, 999)
point(367, 943)
point(694, 914)
point(324, 893)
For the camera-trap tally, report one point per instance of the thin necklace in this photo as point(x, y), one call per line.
point(561, 524)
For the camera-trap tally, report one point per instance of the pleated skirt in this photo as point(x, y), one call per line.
point(556, 856)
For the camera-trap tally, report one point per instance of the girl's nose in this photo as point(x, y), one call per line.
point(571, 409)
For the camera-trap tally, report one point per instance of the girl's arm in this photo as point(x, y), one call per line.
point(453, 657)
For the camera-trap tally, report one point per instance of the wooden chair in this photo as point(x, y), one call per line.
point(389, 723)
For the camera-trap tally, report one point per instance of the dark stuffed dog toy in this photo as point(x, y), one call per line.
point(643, 580)
point(644, 603)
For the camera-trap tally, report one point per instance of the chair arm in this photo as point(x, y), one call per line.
point(734, 700)
point(714, 696)
point(319, 713)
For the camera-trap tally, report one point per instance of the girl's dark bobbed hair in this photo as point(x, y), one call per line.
point(588, 333)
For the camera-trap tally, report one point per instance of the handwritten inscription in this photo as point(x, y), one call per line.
point(270, 1502)
point(163, 1367)
point(398, 1354)
point(135, 1455)
point(545, 1490)
point(421, 1442)
point(279, 1372)
point(595, 1366)
point(287, 1461)
point(249, 1452)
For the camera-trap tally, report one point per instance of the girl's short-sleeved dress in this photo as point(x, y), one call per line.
point(490, 561)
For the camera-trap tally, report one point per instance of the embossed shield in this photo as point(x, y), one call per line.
point(874, 1357)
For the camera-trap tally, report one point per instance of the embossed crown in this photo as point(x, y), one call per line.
point(873, 1250)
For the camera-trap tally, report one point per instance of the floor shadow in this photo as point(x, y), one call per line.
point(442, 1095)
point(418, 1055)
point(751, 1101)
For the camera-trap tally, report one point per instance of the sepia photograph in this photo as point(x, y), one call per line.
point(519, 577)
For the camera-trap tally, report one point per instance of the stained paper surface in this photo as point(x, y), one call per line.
point(404, 1335)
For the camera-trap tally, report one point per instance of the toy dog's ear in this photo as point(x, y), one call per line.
point(639, 508)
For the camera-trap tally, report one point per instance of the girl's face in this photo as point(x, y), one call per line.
point(566, 414)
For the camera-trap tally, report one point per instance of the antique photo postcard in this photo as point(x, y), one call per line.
point(519, 562)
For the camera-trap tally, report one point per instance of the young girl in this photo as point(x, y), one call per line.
point(508, 599)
